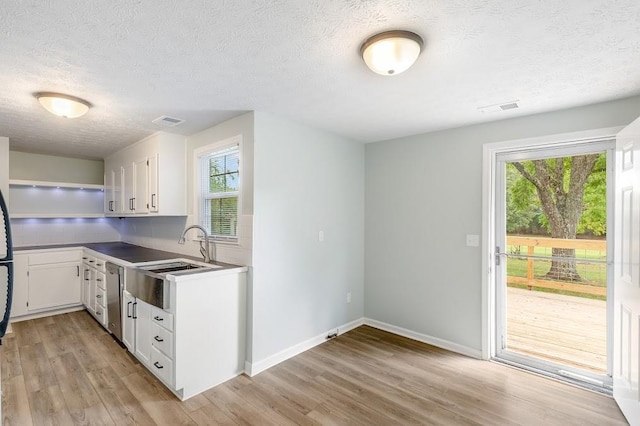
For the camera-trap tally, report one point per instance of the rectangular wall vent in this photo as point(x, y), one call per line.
point(167, 121)
point(506, 106)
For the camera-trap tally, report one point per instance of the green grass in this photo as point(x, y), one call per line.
point(592, 273)
point(546, 251)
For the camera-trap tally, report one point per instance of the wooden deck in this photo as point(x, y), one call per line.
point(566, 329)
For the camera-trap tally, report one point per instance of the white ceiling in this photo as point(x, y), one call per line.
point(207, 61)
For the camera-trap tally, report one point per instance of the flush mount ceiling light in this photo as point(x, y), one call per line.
point(63, 105)
point(391, 52)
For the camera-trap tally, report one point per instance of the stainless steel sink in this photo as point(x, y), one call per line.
point(173, 267)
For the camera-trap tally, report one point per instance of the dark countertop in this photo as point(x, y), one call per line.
point(126, 252)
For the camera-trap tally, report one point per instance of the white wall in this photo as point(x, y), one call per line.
point(423, 194)
point(306, 181)
point(163, 232)
point(36, 232)
point(4, 167)
point(28, 166)
point(30, 232)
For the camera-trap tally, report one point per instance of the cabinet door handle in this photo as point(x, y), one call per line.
point(78, 271)
point(84, 258)
point(158, 339)
point(135, 310)
point(98, 313)
point(99, 296)
point(157, 365)
point(92, 261)
point(157, 318)
point(128, 305)
point(98, 279)
point(153, 200)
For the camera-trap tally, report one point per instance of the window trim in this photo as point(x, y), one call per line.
point(198, 153)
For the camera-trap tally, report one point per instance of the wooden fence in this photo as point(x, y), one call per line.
point(530, 281)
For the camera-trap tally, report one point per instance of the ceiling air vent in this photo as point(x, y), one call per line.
point(167, 121)
point(500, 107)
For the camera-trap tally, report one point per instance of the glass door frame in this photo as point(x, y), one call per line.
point(493, 221)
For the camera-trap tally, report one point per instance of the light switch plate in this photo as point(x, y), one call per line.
point(473, 240)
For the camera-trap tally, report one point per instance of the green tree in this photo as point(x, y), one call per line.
point(564, 187)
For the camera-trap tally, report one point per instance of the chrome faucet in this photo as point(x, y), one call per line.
point(204, 251)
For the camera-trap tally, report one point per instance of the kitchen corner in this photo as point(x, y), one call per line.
point(208, 297)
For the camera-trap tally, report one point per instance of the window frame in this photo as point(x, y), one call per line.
point(199, 199)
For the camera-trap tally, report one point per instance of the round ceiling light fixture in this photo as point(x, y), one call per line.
point(62, 105)
point(391, 52)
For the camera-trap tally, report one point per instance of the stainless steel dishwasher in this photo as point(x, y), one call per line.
point(115, 281)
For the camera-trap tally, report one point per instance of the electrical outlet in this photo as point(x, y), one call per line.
point(349, 297)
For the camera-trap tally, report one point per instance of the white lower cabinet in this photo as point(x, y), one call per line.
point(153, 338)
point(162, 366)
point(128, 321)
point(199, 342)
point(46, 281)
point(142, 317)
point(53, 285)
point(94, 287)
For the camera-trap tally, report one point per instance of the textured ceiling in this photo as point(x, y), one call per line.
point(207, 61)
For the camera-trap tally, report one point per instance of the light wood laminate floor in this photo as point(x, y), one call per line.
point(67, 370)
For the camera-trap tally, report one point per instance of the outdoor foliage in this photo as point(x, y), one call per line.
point(524, 210)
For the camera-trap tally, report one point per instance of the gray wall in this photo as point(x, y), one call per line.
point(4, 167)
point(27, 166)
point(306, 181)
point(423, 194)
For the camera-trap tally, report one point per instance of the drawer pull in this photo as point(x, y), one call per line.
point(91, 261)
point(157, 365)
point(99, 296)
point(157, 318)
point(98, 313)
point(158, 339)
point(98, 279)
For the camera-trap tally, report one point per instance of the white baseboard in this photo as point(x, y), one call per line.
point(251, 369)
point(47, 313)
point(424, 338)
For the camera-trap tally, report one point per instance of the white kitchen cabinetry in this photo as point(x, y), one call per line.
point(95, 295)
point(153, 177)
point(142, 315)
point(47, 281)
point(113, 190)
point(20, 304)
point(128, 321)
point(153, 183)
point(199, 341)
point(53, 285)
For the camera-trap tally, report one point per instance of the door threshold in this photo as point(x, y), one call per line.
point(562, 376)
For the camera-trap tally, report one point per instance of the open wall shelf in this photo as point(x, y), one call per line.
point(42, 199)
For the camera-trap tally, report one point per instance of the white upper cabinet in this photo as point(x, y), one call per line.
point(148, 178)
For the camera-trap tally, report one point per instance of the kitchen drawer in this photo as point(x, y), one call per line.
point(55, 257)
point(162, 366)
point(101, 297)
point(101, 280)
point(100, 264)
point(162, 339)
point(101, 314)
point(163, 318)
